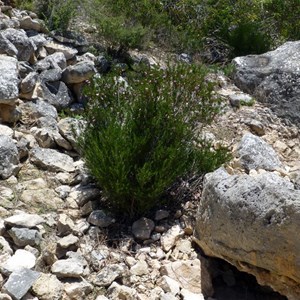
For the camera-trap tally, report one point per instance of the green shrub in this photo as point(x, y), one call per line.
point(140, 138)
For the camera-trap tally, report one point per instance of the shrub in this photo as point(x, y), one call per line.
point(142, 136)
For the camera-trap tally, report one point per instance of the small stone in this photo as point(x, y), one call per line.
point(48, 287)
point(19, 282)
point(169, 238)
point(64, 225)
point(169, 285)
point(140, 268)
point(5, 297)
point(68, 241)
point(24, 220)
point(188, 295)
point(101, 297)
point(142, 228)
point(67, 268)
point(184, 246)
point(108, 274)
point(168, 296)
point(4, 246)
point(25, 236)
point(100, 218)
point(117, 291)
point(78, 290)
point(161, 214)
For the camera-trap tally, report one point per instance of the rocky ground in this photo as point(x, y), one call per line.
point(56, 240)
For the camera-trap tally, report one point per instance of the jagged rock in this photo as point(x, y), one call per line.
point(4, 246)
point(56, 60)
point(78, 73)
point(9, 80)
point(19, 282)
point(100, 218)
point(21, 41)
point(24, 236)
point(6, 47)
point(20, 260)
point(38, 40)
point(52, 160)
point(78, 290)
point(169, 238)
point(65, 244)
point(27, 23)
point(253, 220)
point(6, 197)
point(67, 268)
point(187, 295)
point(167, 296)
point(273, 78)
point(68, 52)
point(64, 225)
point(117, 291)
point(255, 153)
point(5, 130)
point(142, 228)
point(47, 286)
point(169, 285)
point(5, 297)
point(44, 137)
point(161, 214)
point(82, 194)
point(109, 274)
point(28, 83)
point(140, 268)
point(9, 157)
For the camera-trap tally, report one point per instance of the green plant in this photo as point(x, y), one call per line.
point(143, 135)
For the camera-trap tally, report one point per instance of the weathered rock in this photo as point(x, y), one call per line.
point(273, 78)
point(27, 23)
point(67, 268)
point(100, 218)
point(9, 81)
point(253, 221)
point(52, 160)
point(187, 295)
point(4, 246)
point(78, 289)
point(142, 228)
point(5, 297)
point(47, 286)
point(161, 214)
point(6, 47)
point(28, 83)
point(6, 197)
point(21, 259)
point(169, 238)
point(169, 285)
point(78, 73)
point(21, 41)
point(9, 157)
point(82, 194)
point(109, 274)
point(117, 291)
point(44, 137)
point(64, 225)
point(24, 220)
point(9, 113)
point(6, 130)
point(255, 153)
point(24, 236)
point(19, 282)
point(56, 60)
point(68, 52)
point(140, 268)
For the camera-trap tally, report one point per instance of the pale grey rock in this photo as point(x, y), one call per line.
point(169, 238)
point(167, 296)
point(38, 41)
point(24, 220)
point(54, 61)
point(253, 219)
point(51, 75)
point(67, 268)
point(27, 23)
point(169, 285)
point(21, 41)
point(9, 80)
point(44, 137)
point(273, 78)
point(28, 83)
point(78, 290)
point(24, 68)
point(68, 52)
point(6, 47)
point(6, 130)
point(63, 191)
point(140, 268)
point(255, 153)
point(5, 297)
point(4, 246)
point(21, 259)
point(109, 274)
point(100, 218)
point(84, 193)
point(52, 160)
point(68, 241)
point(19, 282)
point(187, 295)
point(142, 228)
point(24, 236)
point(7, 196)
point(9, 157)
point(117, 291)
point(64, 225)
point(47, 286)
point(101, 297)
point(256, 126)
point(78, 73)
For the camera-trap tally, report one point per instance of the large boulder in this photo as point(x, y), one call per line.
point(253, 223)
point(273, 78)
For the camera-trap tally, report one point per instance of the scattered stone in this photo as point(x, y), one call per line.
point(117, 291)
point(24, 220)
point(78, 73)
point(169, 285)
point(187, 295)
point(64, 225)
point(169, 238)
point(47, 286)
point(68, 52)
point(161, 214)
point(78, 290)
point(5, 297)
point(109, 274)
point(100, 218)
point(25, 236)
point(67, 268)
point(4, 246)
point(140, 268)
point(19, 282)
point(142, 228)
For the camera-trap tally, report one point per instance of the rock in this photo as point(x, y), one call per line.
point(68, 52)
point(109, 274)
point(140, 268)
point(5, 297)
point(101, 297)
point(28, 83)
point(161, 214)
point(9, 113)
point(64, 225)
point(6, 47)
point(256, 126)
point(19, 282)
point(52, 160)
point(78, 73)
point(187, 295)
point(84, 193)
point(21, 41)
point(169, 285)
point(273, 78)
point(5, 130)
point(6, 197)
point(169, 238)
point(100, 218)
point(44, 137)
point(4, 246)
point(54, 61)
point(9, 80)
point(24, 220)
point(253, 221)
point(47, 286)
point(24, 236)
point(190, 274)
point(117, 291)
point(239, 99)
point(27, 23)
point(67, 268)
point(78, 290)
point(142, 228)
point(255, 153)
point(9, 157)
point(21, 259)
point(65, 244)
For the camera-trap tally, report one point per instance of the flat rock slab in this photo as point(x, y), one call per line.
point(24, 220)
point(253, 223)
point(67, 268)
point(9, 80)
point(52, 160)
point(19, 283)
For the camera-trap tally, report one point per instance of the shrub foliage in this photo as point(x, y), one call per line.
point(143, 135)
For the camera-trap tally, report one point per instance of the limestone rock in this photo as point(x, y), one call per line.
point(108, 274)
point(187, 295)
point(47, 286)
point(9, 157)
point(253, 221)
point(78, 73)
point(24, 236)
point(169, 285)
point(27, 23)
point(140, 268)
point(52, 160)
point(56, 60)
point(255, 153)
point(19, 282)
point(9, 81)
point(24, 220)
point(117, 291)
point(68, 52)
point(78, 289)
point(142, 228)
point(169, 238)
point(67, 268)
point(28, 83)
point(100, 218)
